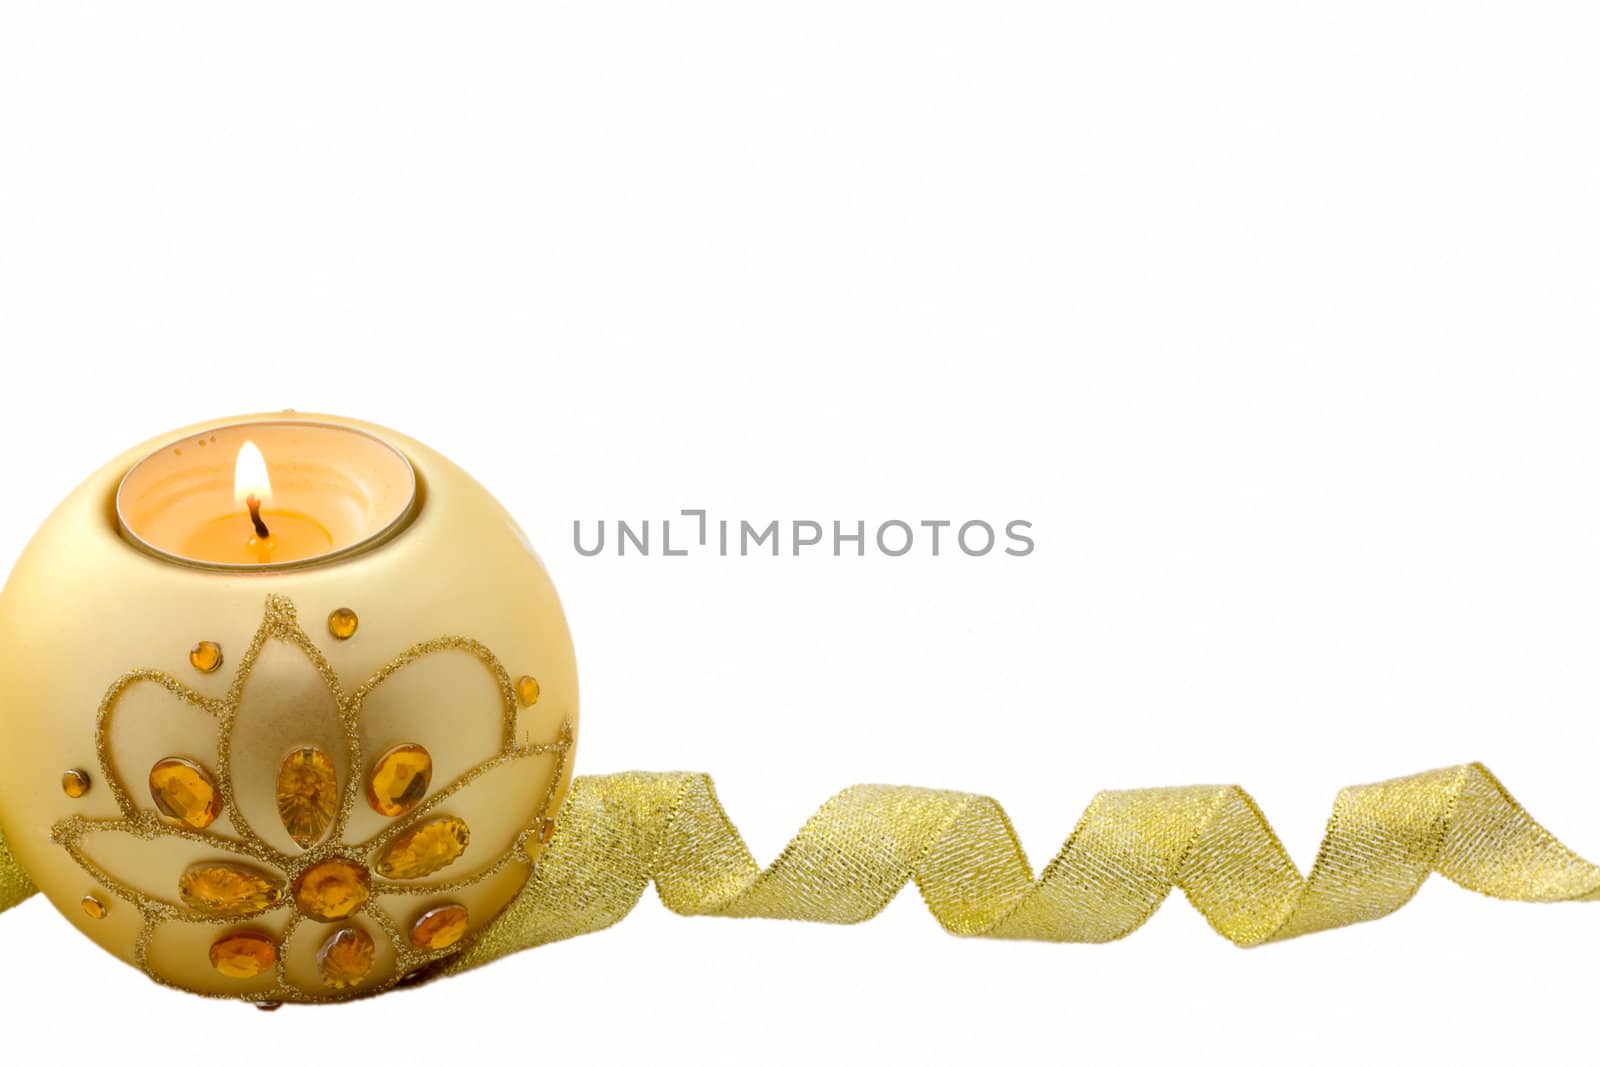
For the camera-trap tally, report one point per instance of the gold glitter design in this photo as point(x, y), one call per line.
point(279, 623)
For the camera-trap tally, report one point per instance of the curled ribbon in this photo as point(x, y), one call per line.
point(618, 833)
point(14, 884)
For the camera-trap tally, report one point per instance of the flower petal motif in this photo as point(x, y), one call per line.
point(288, 703)
point(145, 858)
point(505, 797)
point(307, 950)
point(277, 766)
point(249, 954)
point(149, 718)
point(465, 728)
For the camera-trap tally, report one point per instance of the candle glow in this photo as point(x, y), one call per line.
point(250, 477)
point(209, 499)
point(253, 487)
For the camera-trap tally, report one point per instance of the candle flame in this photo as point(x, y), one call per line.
point(250, 475)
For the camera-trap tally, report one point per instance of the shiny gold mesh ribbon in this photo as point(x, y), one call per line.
point(618, 833)
point(14, 885)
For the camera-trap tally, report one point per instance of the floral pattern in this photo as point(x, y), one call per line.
point(312, 846)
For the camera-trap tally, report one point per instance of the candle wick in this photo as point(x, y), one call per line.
point(254, 504)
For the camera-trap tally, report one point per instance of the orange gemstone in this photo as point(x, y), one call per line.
point(399, 779)
point(228, 889)
point(245, 954)
point(184, 792)
point(528, 690)
point(342, 623)
point(424, 849)
point(332, 890)
point(439, 927)
point(345, 959)
point(206, 656)
point(308, 795)
point(94, 907)
point(75, 783)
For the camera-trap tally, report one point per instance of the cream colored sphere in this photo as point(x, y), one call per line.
point(319, 869)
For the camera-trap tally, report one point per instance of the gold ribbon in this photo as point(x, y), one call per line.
point(618, 833)
point(14, 884)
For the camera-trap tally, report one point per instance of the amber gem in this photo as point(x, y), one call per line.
point(399, 779)
point(308, 795)
point(342, 623)
point(228, 889)
point(184, 792)
point(424, 849)
point(345, 959)
point(206, 656)
point(332, 890)
point(439, 927)
point(75, 783)
point(528, 690)
point(245, 954)
point(94, 907)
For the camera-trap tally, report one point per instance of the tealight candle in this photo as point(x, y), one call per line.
point(287, 706)
point(267, 494)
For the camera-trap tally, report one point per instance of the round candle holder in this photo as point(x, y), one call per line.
point(292, 779)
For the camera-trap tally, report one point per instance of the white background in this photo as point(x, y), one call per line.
point(1277, 321)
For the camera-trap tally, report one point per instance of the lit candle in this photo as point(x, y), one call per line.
point(387, 641)
point(252, 484)
point(267, 495)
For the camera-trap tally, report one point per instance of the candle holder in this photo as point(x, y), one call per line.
point(288, 772)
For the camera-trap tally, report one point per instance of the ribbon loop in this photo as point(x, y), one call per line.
point(618, 833)
point(14, 884)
